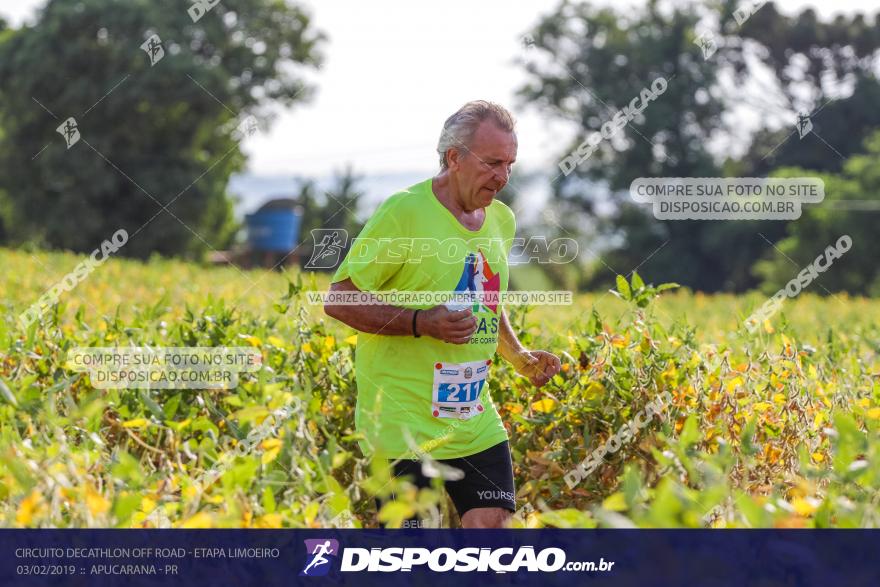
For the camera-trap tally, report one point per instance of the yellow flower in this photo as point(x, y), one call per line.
point(147, 505)
point(805, 506)
point(514, 408)
point(136, 423)
point(731, 385)
point(271, 448)
point(28, 508)
point(615, 502)
point(268, 521)
point(200, 520)
point(544, 405)
point(96, 502)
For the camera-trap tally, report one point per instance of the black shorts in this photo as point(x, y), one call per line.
point(487, 481)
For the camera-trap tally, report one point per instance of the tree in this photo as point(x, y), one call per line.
point(825, 69)
point(848, 196)
point(591, 62)
point(166, 134)
point(595, 61)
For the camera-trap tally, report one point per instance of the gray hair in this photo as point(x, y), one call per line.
point(459, 129)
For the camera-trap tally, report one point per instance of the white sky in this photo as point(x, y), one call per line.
point(395, 69)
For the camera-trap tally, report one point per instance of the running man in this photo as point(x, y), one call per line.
point(422, 371)
point(320, 559)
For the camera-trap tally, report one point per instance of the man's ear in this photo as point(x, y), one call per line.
point(453, 157)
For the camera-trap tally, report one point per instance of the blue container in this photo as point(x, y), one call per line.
point(273, 230)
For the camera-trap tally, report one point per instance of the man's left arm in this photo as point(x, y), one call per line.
point(538, 366)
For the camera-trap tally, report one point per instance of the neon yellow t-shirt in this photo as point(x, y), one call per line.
point(423, 395)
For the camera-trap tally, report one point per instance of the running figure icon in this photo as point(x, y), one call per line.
point(320, 550)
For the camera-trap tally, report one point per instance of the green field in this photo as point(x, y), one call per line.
point(779, 428)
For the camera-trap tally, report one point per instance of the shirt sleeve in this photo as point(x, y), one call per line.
point(378, 252)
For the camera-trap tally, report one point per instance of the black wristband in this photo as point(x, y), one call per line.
point(415, 332)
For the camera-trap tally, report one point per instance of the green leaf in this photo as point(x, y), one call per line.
point(242, 475)
point(6, 393)
point(171, 406)
point(251, 414)
point(849, 444)
point(636, 281)
point(151, 404)
point(623, 288)
point(124, 506)
point(616, 502)
point(690, 433)
point(567, 518)
point(127, 469)
point(755, 515)
point(394, 513)
point(632, 485)
point(268, 500)
point(666, 506)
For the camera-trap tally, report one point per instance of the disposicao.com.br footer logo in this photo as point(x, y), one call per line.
point(441, 560)
point(318, 553)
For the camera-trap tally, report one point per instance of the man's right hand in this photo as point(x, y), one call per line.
point(439, 322)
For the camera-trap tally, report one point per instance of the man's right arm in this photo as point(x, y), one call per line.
point(375, 318)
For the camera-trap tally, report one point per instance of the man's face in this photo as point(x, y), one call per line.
point(482, 170)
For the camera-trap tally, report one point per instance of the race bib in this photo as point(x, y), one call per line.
point(457, 388)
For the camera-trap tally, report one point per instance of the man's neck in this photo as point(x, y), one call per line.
point(445, 191)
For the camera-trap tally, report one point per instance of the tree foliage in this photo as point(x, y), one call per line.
point(851, 203)
point(158, 142)
point(589, 62)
